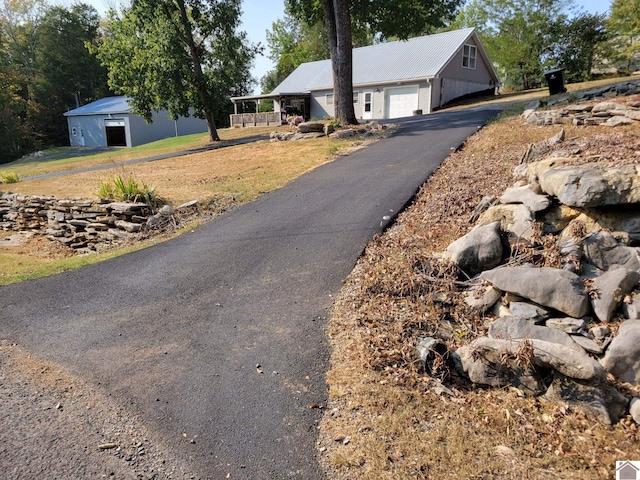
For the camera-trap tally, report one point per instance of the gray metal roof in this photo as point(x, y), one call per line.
point(104, 106)
point(416, 58)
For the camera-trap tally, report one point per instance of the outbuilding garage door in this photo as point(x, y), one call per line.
point(401, 102)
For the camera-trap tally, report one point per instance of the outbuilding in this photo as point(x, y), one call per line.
point(110, 122)
point(393, 79)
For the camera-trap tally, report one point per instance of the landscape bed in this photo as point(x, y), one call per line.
point(386, 416)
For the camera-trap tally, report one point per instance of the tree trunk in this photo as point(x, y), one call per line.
point(345, 63)
point(198, 75)
point(337, 19)
point(332, 38)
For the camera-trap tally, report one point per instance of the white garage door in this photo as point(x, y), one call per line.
point(401, 102)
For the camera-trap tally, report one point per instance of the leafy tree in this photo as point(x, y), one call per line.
point(624, 24)
point(580, 39)
point(382, 18)
point(68, 75)
point(519, 34)
point(291, 42)
point(178, 55)
point(14, 138)
point(20, 21)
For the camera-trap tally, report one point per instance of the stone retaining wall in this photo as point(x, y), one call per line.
point(555, 268)
point(80, 224)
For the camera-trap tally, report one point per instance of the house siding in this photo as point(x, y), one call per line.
point(456, 81)
point(162, 127)
point(320, 110)
point(91, 128)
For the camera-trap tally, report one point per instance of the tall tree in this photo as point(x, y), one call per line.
point(382, 18)
point(178, 55)
point(20, 21)
point(519, 34)
point(14, 136)
point(68, 75)
point(624, 23)
point(291, 42)
point(580, 39)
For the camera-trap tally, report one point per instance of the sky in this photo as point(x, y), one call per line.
point(260, 14)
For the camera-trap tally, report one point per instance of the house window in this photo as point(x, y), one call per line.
point(355, 97)
point(469, 56)
point(368, 97)
point(328, 99)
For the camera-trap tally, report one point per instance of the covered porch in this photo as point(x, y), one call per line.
point(284, 105)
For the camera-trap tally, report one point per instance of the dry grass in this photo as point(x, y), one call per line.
point(386, 417)
point(240, 173)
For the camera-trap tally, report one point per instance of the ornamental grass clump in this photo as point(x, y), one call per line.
point(10, 177)
point(125, 190)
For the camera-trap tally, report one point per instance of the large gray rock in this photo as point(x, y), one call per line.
point(567, 325)
point(516, 328)
point(589, 345)
point(605, 107)
point(618, 120)
point(611, 288)
point(311, 127)
point(549, 287)
point(622, 358)
point(481, 298)
point(603, 250)
point(518, 219)
point(591, 185)
point(492, 362)
point(526, 196)
point(497, 362)
point(479, 250)
point(567, 361)
point(529, 311)
point(598, 400)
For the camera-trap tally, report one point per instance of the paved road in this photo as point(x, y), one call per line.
point(176, 331)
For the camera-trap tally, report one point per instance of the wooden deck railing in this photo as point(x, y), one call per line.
point(256, 119)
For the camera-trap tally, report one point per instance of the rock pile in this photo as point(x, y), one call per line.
point(555, 262)
point(80, 224)
point(607, 113)
point(319, 129)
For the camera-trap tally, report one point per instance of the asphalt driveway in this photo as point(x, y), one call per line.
point(219, 335)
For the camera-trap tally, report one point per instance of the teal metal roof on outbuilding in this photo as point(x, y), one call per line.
point(104, 106)
point(416, 58)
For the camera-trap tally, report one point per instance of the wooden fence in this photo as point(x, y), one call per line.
point(256, 119)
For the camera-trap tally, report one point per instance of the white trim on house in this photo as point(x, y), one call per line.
point(469, 56)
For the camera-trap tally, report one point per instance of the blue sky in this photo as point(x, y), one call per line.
point(260, 14)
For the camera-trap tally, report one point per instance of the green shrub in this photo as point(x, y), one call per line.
point(125, 190)
point(10, 177)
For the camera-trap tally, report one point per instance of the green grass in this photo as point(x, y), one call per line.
point(9, 177)
point(17, 268)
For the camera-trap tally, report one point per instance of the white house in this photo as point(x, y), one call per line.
point(110, 122)
point(393, 79)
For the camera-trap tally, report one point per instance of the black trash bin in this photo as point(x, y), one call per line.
point(555, 80)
